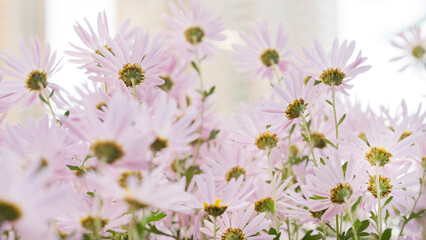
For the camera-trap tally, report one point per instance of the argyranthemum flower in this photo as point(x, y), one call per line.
point(396, 181)
point(239, 225)
point(263, 52)
point(93, 40)
point(130, 62)
point(214, 200)
point(32, 72)
point(413, 47)
point(329, 188)
point(333, 68)
point(192, 30)
point(381, 145)
point(295, 100)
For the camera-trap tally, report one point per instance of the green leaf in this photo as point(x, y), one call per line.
point(42, 98)
point(356, 204)
point(341, 119)
point(92, 194)
point(155, 230)
point(86, 236)
point(329, 142)
point(387, 234)
point(194, 65)
point(51, 94)
point(274, 232)
point(316, 197)
point(213, 134)
point(322, 161)
point(317, 82)
point(345, 165)
point(75, 168)
point(270, 204)
point(190, 173)
point(67, 113)
point(308, 236)
point(328, 101)
point(305, 138)
point(155, 216)
point(387, 201)
point(292, 129)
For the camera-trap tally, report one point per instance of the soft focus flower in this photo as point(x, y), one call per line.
point(193, 29)
point(261, 54)
point(413, 47)
point(239, 225)
point(334, 68)
point(33, 73)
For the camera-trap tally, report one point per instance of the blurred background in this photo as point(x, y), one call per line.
point(371, 23)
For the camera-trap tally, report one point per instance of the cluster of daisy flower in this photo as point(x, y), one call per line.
point(139, 153)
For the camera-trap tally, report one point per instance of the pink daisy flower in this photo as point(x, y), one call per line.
point(295, 100)
point(93, 40)
point(413, 49)
point(214, 200)
point(260, 55)
point(239, 225)
point(129, 64)
point(33, 72)
point(329, 188)
point(396, 181)
point(333, 68)
point(193, 29)
point(84, 213)
point(382, 145)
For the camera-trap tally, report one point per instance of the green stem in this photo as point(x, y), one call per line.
point(324, 232)
point(215, 228)
point(379, 215)
point(134, 89)
point(335, 117)
point(47, 98)
point(415, 204)
point(351, 218)
point(287, 221)
point(309, 138)
point(277, 72)
point(337, 228)
point(274, 188)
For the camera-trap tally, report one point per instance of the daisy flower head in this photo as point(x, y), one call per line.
point(381, 145)
point(395, 181)
point(251, 131)
point(193, 29)
point(129, 63)
point(333, 68)
point(217, 200)
point(92, 39)
point(259, 55)
point(330, 189)
point(295, 100)
point(413, 48)
point(33, 72)
point(239, 225)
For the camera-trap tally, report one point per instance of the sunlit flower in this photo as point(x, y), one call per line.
point(334, 68)
point(193, 29)
point(261, 54)
point(413, 47)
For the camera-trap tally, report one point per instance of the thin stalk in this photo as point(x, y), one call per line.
point(134, 89)
point(335, 117)
point(215, 228)
point(337, 228)
point(48, 102)
point(351, 218)
point(415, 204)
point(277, 72)
point(309, 138)
point(203, 99)
point(274, 188)
point(379, 215)
point(324, 232)
point(288, 228)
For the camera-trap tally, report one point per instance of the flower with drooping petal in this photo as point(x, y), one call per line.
point(193, 29)
point(295, 100)
point(334, 68)
point(239, 225)
point(93, 40)
point(32, 73)
point(413, 47)
point(329, 188)
point(263, 52)
point(129, 63)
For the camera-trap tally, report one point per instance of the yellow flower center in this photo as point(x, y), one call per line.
point(159, 144)
point(36, 80)
point(108, 151)
point(9, 211)
point(93, 224)
point(215, 209)
point(342, 192)
point(233, 234)
point(384, 186)
point(194, 35)
point(378, 155)
point(266, 140)
point(296, 109)
point(270, 57)
point(131, 74)
point(418, 52)
point(332, 76)
point(262, 206)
